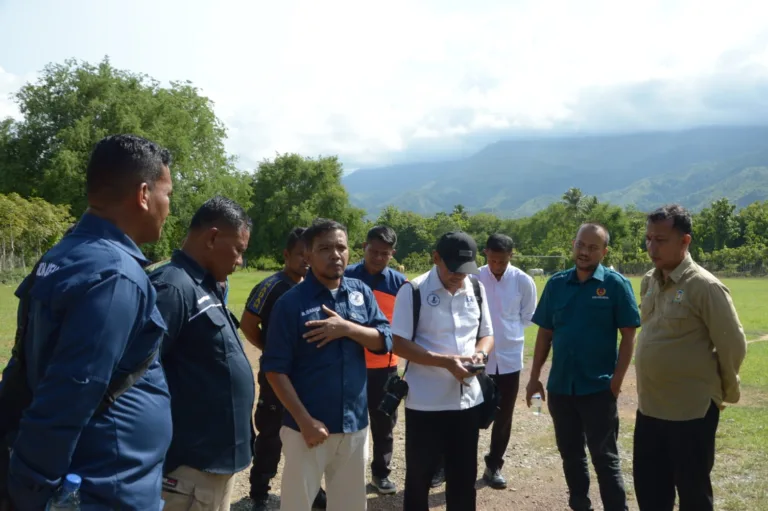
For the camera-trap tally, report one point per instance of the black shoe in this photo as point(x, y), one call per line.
point(494, 479)
point(383, 485)
point(260, 503)
point(438, 478)
point(321, 501)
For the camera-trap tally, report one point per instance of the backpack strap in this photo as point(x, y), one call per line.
point(416, 307)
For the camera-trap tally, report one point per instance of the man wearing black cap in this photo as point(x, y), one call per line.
point(442, 418)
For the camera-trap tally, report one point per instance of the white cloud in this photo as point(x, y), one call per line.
point(9, 83)
point(379, 82)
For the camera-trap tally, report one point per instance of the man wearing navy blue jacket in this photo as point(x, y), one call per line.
point(315, 362)
point(92, 317)
point(209, 376)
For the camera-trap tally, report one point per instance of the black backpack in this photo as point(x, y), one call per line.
point(491, 397)
point(16, 396)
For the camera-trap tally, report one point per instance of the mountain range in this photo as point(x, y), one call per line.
point(515, 178)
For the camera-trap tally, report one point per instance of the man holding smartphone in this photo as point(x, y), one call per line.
point(445, 350)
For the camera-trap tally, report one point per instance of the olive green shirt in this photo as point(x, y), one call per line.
point(691, 345)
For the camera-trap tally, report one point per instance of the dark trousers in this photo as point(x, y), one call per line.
point(508, 386)
point(430, 436)
point(381, 425)
point(266, 449)
point(593, 418)
point(675, 454)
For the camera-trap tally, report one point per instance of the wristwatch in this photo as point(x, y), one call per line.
point(485, 356)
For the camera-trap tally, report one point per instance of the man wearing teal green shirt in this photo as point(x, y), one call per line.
point(578, 316)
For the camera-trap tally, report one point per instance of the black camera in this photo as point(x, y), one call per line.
point(394, 391)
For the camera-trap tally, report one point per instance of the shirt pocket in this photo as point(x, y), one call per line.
point(211, 330)
point(358, 315)
point(647, 306)
point(559, 316)
point(675, 312)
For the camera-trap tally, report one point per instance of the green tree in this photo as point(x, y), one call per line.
point(716, 226)
point(75, 104)
point(293, 190)
point(753, 224)
point(27, 228)
point(413, 232)
point(572, 198)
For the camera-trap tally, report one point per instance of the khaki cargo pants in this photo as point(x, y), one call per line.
point(188, 489)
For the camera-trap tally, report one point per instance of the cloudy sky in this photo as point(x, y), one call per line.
point(379, 83)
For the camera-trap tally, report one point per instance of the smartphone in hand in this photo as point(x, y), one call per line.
point(474, 368)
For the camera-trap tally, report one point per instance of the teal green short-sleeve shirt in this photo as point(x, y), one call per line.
point(585, 318)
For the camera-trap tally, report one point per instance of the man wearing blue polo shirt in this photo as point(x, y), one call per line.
point(315, 362)
point(578, 315)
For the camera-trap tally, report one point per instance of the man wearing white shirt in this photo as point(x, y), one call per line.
point(512, 302)
point(442, 414)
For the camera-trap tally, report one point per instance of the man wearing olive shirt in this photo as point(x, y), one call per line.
point(689, 352)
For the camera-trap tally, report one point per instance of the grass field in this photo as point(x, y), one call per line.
point(741, 470)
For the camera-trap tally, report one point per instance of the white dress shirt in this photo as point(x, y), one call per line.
point(448, 324)
point(512, 301)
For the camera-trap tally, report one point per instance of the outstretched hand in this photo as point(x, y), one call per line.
point(323, 331)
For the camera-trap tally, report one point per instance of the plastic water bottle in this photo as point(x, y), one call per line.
point(536, 404)
point(67, 497)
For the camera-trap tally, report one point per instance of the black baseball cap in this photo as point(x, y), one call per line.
point(458, 251)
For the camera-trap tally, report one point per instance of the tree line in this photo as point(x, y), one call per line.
point(74, 104)
point(28, 228)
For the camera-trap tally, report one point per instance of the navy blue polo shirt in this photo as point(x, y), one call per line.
point(330, 381)
point(92, 314)
point(209, 375)
point(585, 318)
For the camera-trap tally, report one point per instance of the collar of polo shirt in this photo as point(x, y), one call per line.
point(678, 272)
point(317, 287)
point(599, 274)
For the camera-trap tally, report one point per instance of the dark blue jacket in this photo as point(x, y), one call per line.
point(209, 375)
point(92, 313)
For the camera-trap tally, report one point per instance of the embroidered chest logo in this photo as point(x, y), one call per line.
point(310, 311)
point(433, 300)
point(470, 299)
point(678, 296)
point(356, 298)
point(600, 294)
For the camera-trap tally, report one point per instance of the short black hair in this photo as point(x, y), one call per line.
point(598, 227)
point(120, 162)
point(499, 243)
point(294, 237)
point(681, 218)
point(220, 212)
point(384, 234)
point(321, 226)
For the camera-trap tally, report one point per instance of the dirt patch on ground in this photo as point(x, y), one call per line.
point(764, 338)
point(532, 468)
